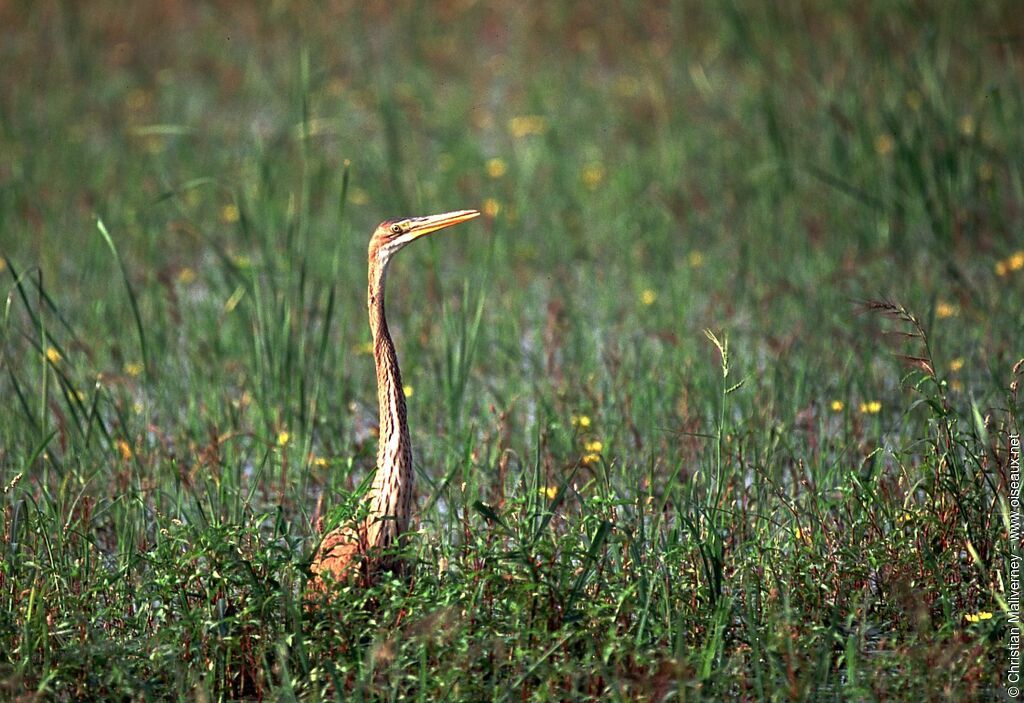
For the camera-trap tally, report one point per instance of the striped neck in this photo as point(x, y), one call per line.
point(391, 495)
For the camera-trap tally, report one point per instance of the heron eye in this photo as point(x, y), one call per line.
point(397, 229)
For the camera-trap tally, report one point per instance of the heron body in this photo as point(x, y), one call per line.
point(358, 549)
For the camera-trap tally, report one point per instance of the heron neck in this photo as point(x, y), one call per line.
point(391, 496)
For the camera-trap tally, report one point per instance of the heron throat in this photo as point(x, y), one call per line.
point(391, 494)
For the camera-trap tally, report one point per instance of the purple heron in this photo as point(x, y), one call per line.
point(355, 550)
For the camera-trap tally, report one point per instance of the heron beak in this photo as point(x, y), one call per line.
point(425, 225)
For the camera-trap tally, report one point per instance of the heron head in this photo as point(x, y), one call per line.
point(392, 235)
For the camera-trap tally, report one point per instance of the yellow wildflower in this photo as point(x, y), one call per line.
point(696, 259)
point(496, 167)
point(884, 144)
point(125, 449)
point(581, 421)
point(407, 390)
point(627, 86)
point(648, 296)
point(53, 355)
point(526, 125)
point(837, 406)
point(944, 310)
point(978, 617)
point(155, 144)
point(283, 437)
point(186, 276)
point(319, 461)
point(592, 176)
point(956, 364)
point(359, 196)
point(590, 458)
point(137, 100)
point(549, 492)
point(491, 208)
point(1016, 261)
point(872, 407)
point(957, 386)
point(967, 126)
point(229, 213)
point(1001, 269)
point(594, 446)
point(133, 368)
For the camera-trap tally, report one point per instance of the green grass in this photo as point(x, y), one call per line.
point(186, 194)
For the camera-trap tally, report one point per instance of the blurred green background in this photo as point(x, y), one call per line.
point(186, 194)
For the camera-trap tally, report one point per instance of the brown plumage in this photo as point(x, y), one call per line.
point(355, 550)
